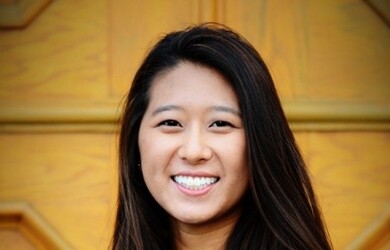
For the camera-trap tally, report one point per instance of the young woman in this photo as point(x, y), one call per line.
point(207, 159)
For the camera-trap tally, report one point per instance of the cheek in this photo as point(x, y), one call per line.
point(149, 154)
point(234, 152)
point(236, 162)
point(151, 170)
point(146, 149)
point(156, 151)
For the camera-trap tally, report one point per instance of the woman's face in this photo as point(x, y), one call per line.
point(192, 145)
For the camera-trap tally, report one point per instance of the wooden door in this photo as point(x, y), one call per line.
point(63, 76)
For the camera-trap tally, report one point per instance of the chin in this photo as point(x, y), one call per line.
point(193, 219)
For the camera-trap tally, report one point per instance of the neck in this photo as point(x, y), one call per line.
point(204, 237)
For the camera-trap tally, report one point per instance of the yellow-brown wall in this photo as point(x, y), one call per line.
point(63, 76)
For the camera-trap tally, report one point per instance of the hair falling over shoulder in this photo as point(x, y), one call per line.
point(280, 210)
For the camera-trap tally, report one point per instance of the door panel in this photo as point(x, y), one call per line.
point(63, 77)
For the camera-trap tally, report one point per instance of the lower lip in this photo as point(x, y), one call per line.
point(191, 192)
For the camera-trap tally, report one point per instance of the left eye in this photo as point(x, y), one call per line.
point(169, 123)
point(221, 124)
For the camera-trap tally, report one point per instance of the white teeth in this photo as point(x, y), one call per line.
point(194, 183)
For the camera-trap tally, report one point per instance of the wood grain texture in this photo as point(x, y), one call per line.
point(63, 77)
point(20, 218)
point(351, 174)
point(18, 14)
point(348, 53)
point(83, 56)
point(61, 57)
point(69, 179)
point(13, 237)
point(319, 50)
point(145, 22)
point(381, 8)
point(376, 235)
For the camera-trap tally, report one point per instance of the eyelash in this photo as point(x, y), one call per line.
point(221, 124)
point(169, 123)
point(173, 123)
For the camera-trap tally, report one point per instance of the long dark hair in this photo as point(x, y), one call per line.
point(279, 210)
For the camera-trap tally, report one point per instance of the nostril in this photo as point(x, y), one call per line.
point(195, 154)
point(194, 147)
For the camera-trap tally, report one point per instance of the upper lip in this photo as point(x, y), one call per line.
point(195, 174)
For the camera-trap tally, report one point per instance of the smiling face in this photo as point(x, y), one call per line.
point(192, 145)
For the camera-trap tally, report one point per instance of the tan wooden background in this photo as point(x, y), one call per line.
point(63, 76)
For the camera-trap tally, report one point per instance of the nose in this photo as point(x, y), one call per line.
point(194, 147)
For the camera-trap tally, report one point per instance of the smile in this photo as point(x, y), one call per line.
point(194, 183)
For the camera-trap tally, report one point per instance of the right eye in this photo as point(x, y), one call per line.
point(169, 123)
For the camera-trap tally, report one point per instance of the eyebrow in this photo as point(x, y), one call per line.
point(166, 108)
point(226, 109)
point(218, 108)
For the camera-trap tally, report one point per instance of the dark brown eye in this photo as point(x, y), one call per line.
point(221, 124)
point(169, 123)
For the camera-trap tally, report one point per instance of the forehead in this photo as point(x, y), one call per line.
point(188, 82)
